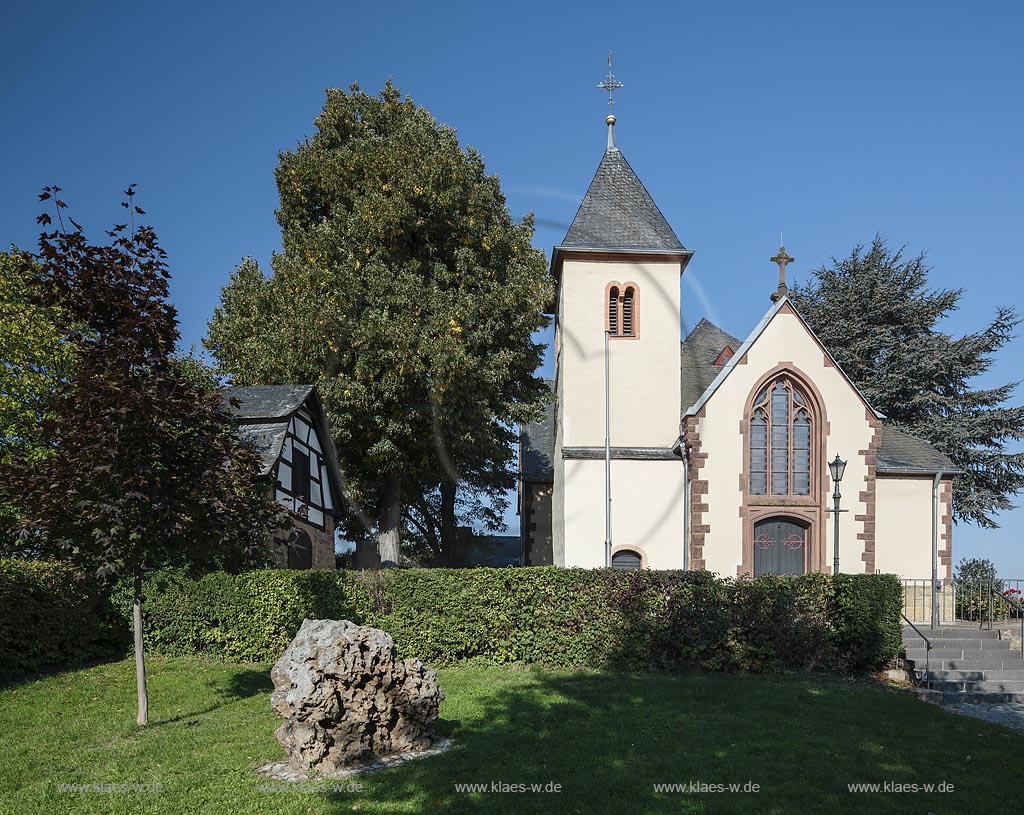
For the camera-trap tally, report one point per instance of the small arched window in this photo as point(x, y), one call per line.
point(780, 441)
point(613, 310)
point(627, 560)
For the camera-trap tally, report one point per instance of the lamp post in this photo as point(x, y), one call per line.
point(837, 467)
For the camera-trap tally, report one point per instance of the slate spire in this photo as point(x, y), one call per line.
point(617, 212)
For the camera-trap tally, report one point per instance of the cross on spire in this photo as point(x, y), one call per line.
point(610, 84)
point(783, 260)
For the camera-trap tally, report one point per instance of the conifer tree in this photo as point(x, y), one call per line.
point(875, 313)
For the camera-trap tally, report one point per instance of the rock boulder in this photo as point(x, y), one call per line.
point(345, 694)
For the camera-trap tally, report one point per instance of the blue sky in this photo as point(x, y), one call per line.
point(829, 122)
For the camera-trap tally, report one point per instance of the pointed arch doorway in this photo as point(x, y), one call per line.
point(780, 546)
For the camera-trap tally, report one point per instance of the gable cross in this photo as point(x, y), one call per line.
point(783, 260)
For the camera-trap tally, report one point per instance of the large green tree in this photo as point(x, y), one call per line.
point(408, 293)
point(877, 315)
point(34, 353)
point(143, 466)
point(35, 357)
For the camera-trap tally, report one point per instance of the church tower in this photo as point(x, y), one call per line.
point(617, 302)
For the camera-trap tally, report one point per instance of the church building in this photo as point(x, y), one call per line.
point(718, 447)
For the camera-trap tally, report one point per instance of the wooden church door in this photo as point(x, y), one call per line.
point(780, 547)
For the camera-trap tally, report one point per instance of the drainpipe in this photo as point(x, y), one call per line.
point(935, 547)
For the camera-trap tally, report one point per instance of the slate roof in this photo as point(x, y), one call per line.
point(268, 439)
point(697, 356)
point(538, 445)
point(901, 452)
point(263, 414)
point(266, 402)
point(618, 213)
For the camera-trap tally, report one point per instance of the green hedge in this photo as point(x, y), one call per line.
point(248, 617)
point(51, 617)
point(642, 620)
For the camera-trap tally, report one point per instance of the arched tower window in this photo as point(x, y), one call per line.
point(621, 302)
point(780, 440)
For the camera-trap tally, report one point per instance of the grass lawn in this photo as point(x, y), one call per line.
point(606, 739)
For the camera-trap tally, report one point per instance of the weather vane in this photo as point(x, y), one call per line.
point(610, 84)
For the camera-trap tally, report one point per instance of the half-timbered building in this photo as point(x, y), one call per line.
point(288, 426)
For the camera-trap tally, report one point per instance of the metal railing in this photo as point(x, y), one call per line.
point(984, 599)
point(1015, 607)
point(1019, 605)
point(987, 599)
point(927, 651)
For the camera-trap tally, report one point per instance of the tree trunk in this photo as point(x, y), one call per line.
point(448, 522)
point(142, 718)
point(388, 539)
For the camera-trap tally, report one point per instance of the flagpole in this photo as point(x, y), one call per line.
point(607, 458)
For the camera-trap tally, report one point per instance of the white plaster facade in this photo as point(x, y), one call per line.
point(646, 413)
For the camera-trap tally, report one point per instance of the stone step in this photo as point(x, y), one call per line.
point(1005, 686)
point(920, 654)
point(972, 698)
point(975, 676)
point(948, 643)
point(964, 664)
point(952, 632)
point(963, 653)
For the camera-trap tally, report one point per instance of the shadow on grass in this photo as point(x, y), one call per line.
point(606, 740)
point(248, 682)
point(241, 684)
point(15, 679)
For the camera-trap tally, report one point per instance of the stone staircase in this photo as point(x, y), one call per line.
point(965, 665)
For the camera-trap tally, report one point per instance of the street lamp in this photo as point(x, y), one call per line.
point(837, 467)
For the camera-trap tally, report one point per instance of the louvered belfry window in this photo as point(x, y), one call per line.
point(780, 441)
point(622, 309)
point(627, 312)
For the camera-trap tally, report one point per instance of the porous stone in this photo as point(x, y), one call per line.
point(345, 694)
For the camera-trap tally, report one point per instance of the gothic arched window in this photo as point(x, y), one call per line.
point(613, 310)
point(780, 440)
